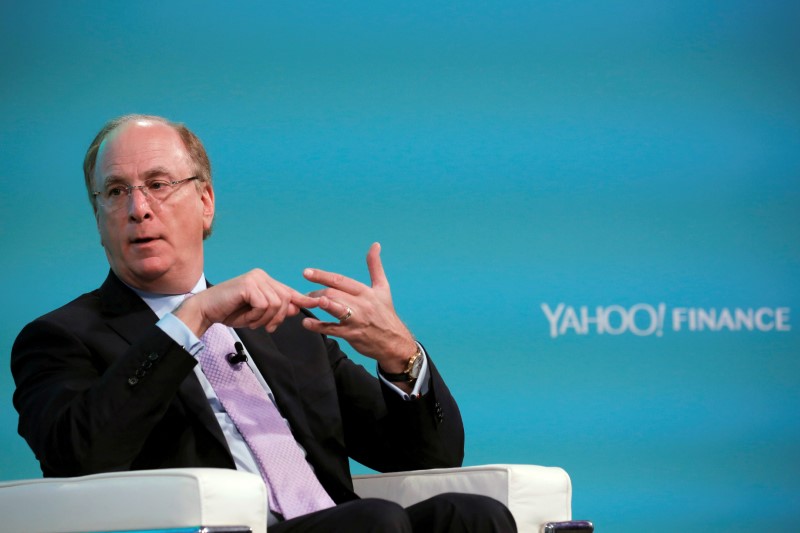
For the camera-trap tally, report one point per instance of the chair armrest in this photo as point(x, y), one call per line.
point(535, 495)
point(135, 500)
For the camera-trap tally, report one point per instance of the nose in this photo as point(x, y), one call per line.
point(138, 205)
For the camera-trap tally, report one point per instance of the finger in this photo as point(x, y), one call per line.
point(253, 316)
point(302, 300)
point(293, 310)
point(375, 266)
point(251, 301)
point(290, 302)
point(333, 280)
point(337, 310)
point(279, 313)
point(325, 328)
point(333, 294)
point(318, 293)
point(265, 303)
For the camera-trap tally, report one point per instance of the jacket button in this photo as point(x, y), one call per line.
point(132, 381)
point(439, 412)
point(152, 356)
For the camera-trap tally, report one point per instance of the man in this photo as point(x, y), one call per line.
point(158, 369)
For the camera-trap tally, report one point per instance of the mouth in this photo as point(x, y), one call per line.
point(143, 240)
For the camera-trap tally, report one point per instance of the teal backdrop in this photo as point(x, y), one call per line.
point(589, 211)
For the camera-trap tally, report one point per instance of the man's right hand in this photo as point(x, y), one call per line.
point(251, 300)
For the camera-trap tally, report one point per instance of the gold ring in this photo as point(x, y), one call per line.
point(347, 315)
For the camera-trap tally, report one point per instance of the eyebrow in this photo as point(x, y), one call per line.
point(154, 172)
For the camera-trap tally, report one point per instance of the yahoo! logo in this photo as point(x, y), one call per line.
point(645, 319)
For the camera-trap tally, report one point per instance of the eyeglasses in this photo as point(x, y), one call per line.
point(115, 196)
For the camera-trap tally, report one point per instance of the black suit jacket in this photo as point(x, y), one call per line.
point(99, 387)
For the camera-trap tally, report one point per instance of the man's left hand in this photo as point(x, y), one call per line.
point(372, 327)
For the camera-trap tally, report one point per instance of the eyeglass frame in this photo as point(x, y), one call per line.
point(143, 188)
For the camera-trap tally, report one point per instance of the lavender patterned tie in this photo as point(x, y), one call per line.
point(294, 489)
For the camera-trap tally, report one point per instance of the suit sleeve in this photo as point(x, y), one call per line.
point(387, 433)
point(84, 408)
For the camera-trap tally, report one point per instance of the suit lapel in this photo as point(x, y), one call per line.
point(128, 315)
point(279, 375)
point(125, 312)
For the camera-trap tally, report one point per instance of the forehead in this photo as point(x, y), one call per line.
point(135, 149)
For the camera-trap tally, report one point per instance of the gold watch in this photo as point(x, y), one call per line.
point(411, 373)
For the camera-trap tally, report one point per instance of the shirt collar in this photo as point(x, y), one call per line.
point(161, 304)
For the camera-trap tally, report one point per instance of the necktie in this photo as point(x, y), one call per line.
point(293, 487)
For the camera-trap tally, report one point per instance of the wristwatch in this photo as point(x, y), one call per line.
point(411, 373)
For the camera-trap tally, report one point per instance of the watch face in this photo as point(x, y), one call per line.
point(416, 367)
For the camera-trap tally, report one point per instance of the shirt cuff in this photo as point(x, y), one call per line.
point(420, 386)
point(180, 333)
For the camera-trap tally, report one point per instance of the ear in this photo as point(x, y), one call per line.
point(97, 221)
point(207, 198)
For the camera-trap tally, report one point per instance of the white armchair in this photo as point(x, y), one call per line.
point(190, 499)
point(535, 495)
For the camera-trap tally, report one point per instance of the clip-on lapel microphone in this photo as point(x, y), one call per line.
point(239, 356)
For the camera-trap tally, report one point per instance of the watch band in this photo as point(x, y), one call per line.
point(411, 372)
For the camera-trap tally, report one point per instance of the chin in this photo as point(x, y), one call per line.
point(142, 276)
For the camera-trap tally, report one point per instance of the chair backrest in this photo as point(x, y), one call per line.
point(139, 500)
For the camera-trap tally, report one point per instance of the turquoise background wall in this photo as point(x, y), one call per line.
point(589, 211)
